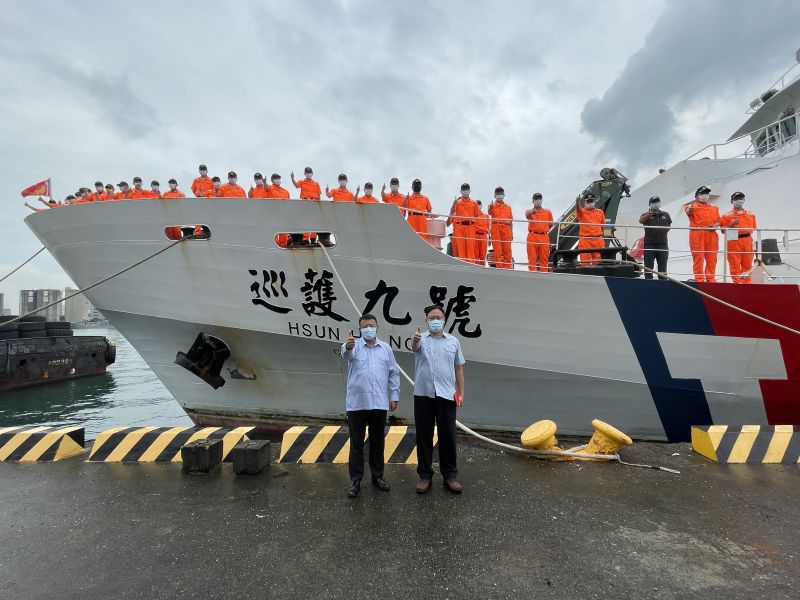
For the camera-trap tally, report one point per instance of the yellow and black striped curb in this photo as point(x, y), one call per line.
point(38, 443)
point(331, 444)
point(159, 444)
point(748, 443)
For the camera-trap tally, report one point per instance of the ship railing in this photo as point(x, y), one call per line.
point(779, 84)
point(629, 235)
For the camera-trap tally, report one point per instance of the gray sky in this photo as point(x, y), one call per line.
point(533, 96)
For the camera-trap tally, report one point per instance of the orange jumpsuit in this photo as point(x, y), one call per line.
point(176, 193)
point(590, 236)
point(99, 196)
point(417, 221)
point(231, 190)
point(137, 194)
point(121, 195)
point(539, 223)
point(463, 217)
point(367, 200)
point(202, 187)
point(502, 234)
point(481, 238)
point(393, 198)
point(276, 191)
point(258, 192)
point(740, 252)
point(341, 195)
point(703, 244)
point(309, 189)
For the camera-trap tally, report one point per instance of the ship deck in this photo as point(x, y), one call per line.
point(522, 528)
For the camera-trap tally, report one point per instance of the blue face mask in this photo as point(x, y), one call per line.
point(655, 205)
point(369, 333)
point(436, 325)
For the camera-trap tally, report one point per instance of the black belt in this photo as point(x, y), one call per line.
point(467, 223)
point(744, 235)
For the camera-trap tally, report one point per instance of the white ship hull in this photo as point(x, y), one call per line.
point(647, 356)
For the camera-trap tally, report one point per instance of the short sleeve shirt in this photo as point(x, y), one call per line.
point(435, 366)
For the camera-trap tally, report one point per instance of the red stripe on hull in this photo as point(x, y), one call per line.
point(779, 303)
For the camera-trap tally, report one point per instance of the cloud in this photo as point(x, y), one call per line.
point(695, 51)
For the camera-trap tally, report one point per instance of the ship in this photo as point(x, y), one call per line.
point(245, 330)
point(34, 352)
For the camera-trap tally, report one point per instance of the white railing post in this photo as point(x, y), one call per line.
point(724, 256)
point(758, 244)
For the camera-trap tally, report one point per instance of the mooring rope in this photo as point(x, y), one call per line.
point(569, 453)
point(95, 284)
point(35, 254)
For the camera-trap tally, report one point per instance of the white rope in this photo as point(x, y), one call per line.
point(571, 452)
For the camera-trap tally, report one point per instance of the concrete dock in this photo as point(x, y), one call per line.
point(522, 529)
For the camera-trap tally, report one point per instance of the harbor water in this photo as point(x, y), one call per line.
point(129, 394)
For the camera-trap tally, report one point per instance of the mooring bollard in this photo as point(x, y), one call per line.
point(201, 455)
point(250, 457)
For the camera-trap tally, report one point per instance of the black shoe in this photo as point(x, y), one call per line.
point(354, 489)
point(423, 485)
point(381, 484)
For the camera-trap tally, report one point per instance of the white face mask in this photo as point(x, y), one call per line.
point(231, 180)
point(342, 183)
point(537, 203)
point(309, 175)
point(203, 173)
point(138, 185)
point(259, 182)
point(703, 197)
point(276, 182)
point(499, 196)
point(465, 193)
point(155, 188)
point(394, 187)
point(216, 185)
point(368, 191)
point(173, 186)
point(590, 204)
point(738, 203)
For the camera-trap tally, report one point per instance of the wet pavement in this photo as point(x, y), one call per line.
point(522, 528)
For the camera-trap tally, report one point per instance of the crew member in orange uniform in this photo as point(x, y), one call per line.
point(704, 243)
point(110, 193)
point(155, 190)
point(740, 251)
point(367, 198)
point(231, 189)
point(258, 190)
point(215, 187)
point(590, 234)
point(123, 192)
point(202, 187)
point(173, 192)
point(464, 213)
point(309, 189)
point(394, 196)
point(99, 195)
point(341, 193)
point(417, 202)
point(137, 193)
point(540, 220)
point(481, 235)
point(275, 190)
point(502, 230)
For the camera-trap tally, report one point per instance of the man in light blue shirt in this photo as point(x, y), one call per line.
point(438, 389)
point(373, 386)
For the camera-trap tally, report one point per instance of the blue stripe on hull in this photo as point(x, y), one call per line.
point(647, 307)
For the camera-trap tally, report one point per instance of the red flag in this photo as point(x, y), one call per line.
point(38, 189)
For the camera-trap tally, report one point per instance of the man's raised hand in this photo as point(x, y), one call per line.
point(351, 341)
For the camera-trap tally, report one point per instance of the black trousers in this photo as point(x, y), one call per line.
point(655, 252)
point(440, 412)
point(359, 421)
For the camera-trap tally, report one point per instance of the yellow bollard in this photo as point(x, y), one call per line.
point(541, 436)
point(606, 440)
